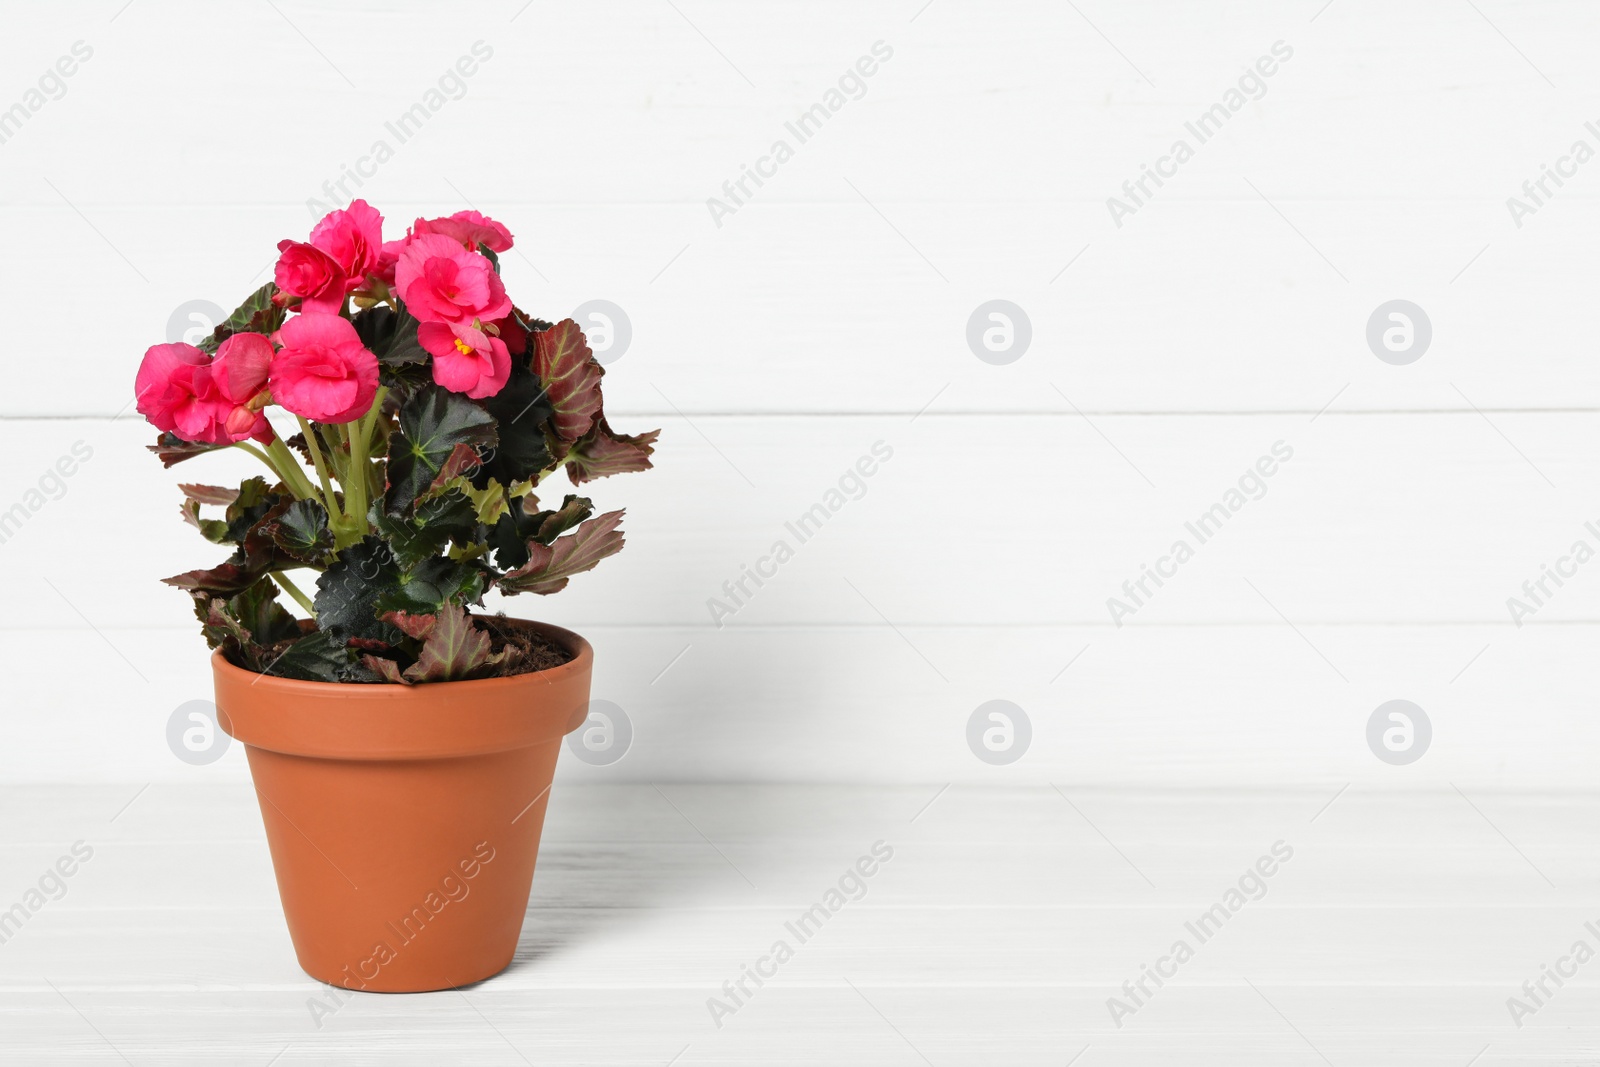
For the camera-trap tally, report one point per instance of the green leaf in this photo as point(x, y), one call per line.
point(490, 502)
point(390, 335)
point(247, 626)
point(435, 523)
point(253, 501)
point(222, 630)
point(321, 656)
point(518, 527)
point(246, 506)
point(488, 253)
point(521, 410)
point(349, 589)
point(303, 532)
point(257, 314)
point(545, 526)
point(259, 612)
point(430, 585)
point(432, 424)
point(550, 566)
point(213, 530)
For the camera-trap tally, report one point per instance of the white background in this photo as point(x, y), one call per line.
point(826, 314)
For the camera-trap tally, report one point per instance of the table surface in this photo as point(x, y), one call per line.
point(1393, 928)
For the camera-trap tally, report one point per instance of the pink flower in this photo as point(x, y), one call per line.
point(308, 272)
point(470, 228)
point(465, 359)
point(323, 372)
point(239, 374)
point(352, 238)
point(441, 281)
point(388, 256)
point(174, 393)
point(182, 390)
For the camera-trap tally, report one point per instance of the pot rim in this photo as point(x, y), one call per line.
point(582, 658)
point(386, 721)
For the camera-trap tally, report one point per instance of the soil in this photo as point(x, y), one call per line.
point(530, 651)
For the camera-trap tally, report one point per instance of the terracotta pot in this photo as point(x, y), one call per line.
point(404, 821)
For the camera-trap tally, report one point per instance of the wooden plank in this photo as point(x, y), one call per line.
point(1357, 950)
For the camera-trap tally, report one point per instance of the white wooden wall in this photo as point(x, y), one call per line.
point(830, 312)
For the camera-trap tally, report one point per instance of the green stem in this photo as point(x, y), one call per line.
point(294, 590)
point(360, 439)
point(263, 457)
point(288, 468)
point(328, 497)
point(333, 444)
point(355, 487)
point(377, 445)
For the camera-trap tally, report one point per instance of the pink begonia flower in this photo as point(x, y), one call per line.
point(239, 373)
point(181, 390)
point(388, 256)
point(306, 271)
point(465, 359)
point(470, 228)
point(440, 281)
point(352, 237)
point(323, 372)
point(174, 392)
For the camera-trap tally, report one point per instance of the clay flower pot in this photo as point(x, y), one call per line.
point(404, 821)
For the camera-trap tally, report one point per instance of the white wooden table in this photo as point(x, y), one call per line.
point(995, 935)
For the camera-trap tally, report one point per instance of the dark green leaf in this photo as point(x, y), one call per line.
point(222, 630)
point(390, 335)
point(257, 314)
point(518, 527)
point(435, 523)
point(348, 590)
point(213, 530)
point(432, 424)
point(259, 612)
point(321, 657)
point(431, 584)
point(522, 410)
point(303, 532)
point(252, 502)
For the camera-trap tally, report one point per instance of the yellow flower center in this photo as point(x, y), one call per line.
point(462, 347)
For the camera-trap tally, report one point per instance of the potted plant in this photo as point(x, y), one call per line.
point(402, 746)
